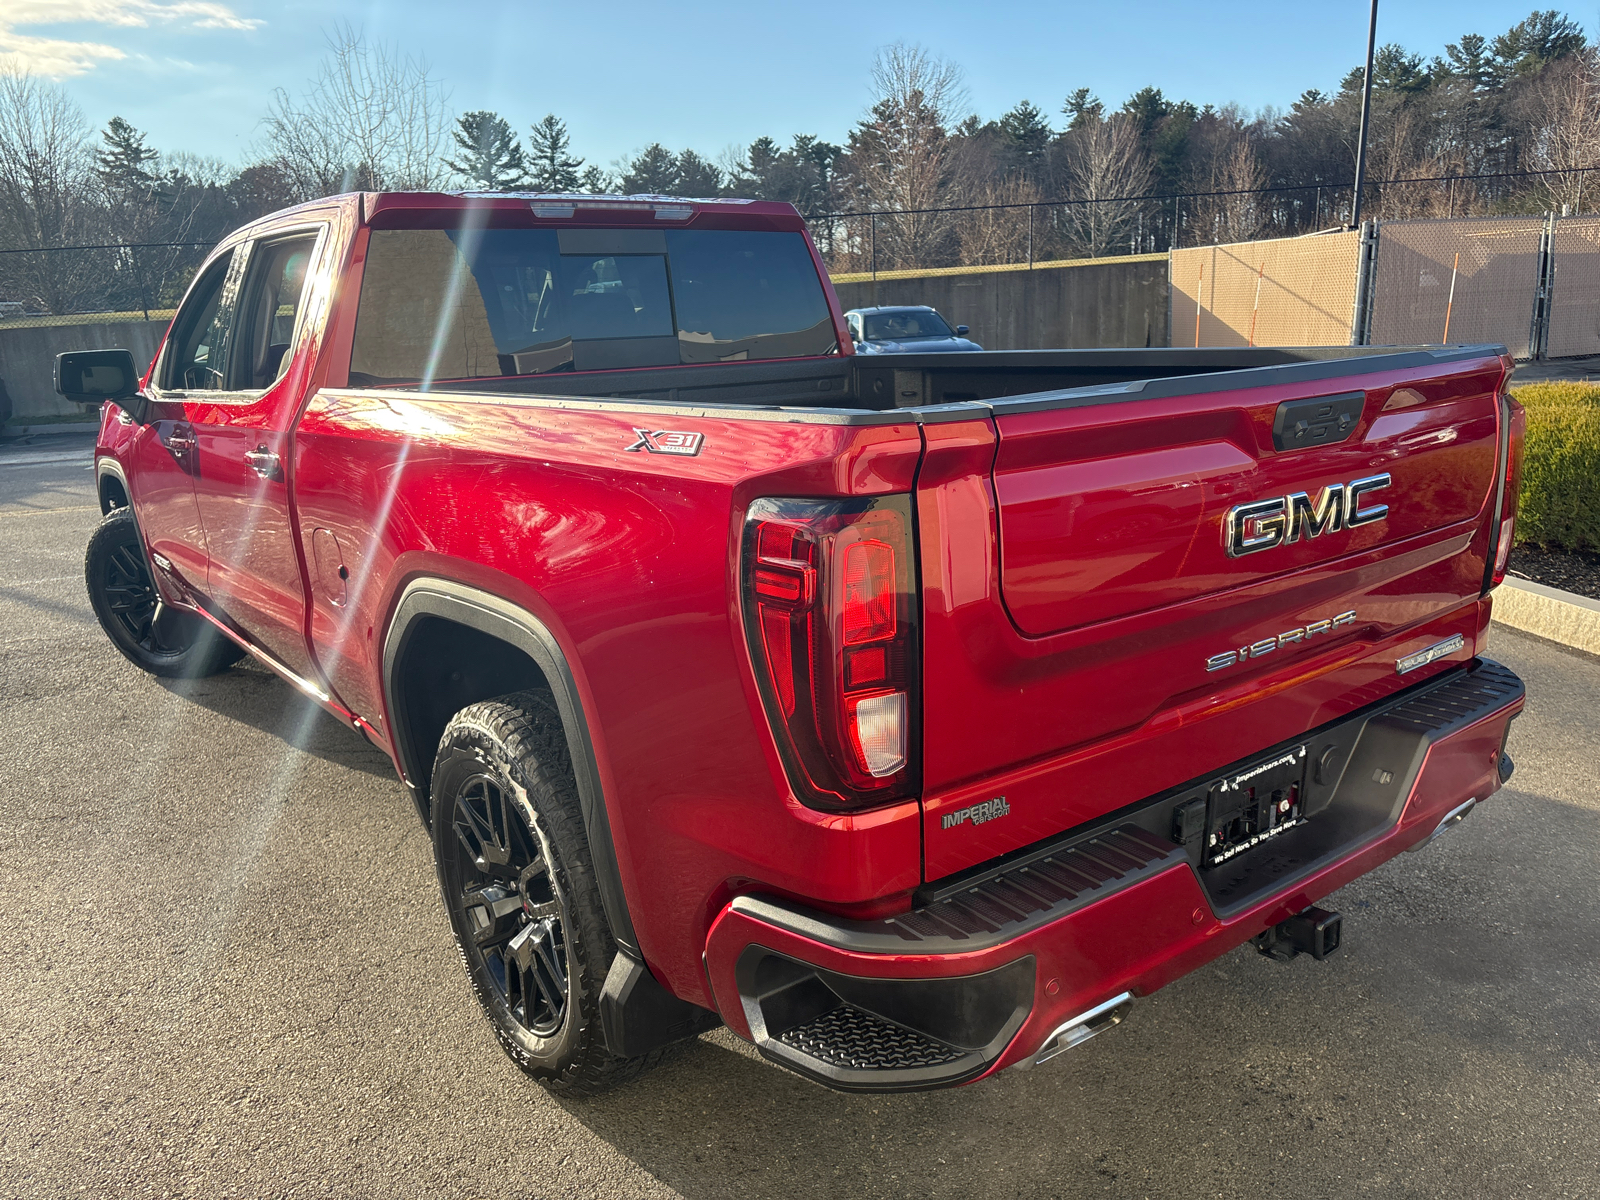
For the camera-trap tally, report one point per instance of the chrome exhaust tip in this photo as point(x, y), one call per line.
point(1446, 823)
point(1084, 1026)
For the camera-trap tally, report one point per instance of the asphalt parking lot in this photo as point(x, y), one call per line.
point(224, 971)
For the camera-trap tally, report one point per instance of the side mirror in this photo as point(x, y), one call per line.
point(961, 331)
point(91, 376)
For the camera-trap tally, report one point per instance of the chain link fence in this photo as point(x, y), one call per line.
point(1471, 279)
point(1529, 283)
point(84, 284)
point(1280, 292)
point(1574, 290)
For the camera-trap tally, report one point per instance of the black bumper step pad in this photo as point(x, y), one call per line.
point(860, 1041)
point(1037, 888)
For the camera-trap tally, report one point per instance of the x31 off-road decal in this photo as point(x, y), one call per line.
point(667, 441)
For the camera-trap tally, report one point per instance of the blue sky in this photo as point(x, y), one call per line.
point(197, 74)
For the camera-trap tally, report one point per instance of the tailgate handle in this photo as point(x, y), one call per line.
point(1320, 421)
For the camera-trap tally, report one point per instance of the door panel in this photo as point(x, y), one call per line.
point(242, 490)
point(162, 461)
point(159, 464)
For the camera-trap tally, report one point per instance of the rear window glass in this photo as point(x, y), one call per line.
point(462, 304)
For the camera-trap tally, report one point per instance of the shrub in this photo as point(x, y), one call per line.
point(1560, 502)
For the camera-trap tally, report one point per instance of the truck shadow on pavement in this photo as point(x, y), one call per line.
point(252, 695)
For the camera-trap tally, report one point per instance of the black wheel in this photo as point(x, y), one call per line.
point(519, 884)
point(159, 639)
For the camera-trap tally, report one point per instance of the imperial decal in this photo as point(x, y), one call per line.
point(977, 813)
point(1422, 658)
point(1265, 524)
point(1287, 638)
point(666, 441)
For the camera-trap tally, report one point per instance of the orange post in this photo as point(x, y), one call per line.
point(1199, 295)
point(1257, 307)
point(1449, 303)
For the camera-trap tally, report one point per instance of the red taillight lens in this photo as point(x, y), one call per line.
point(830, 612)
point(1516, 420)
point(869, 592)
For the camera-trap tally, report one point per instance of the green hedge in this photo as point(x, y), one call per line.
point(1560, 505)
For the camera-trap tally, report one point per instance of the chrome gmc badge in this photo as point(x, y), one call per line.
point(1266, 524)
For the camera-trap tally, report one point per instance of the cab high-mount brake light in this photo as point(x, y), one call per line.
point(567, 206)
point(830, 616)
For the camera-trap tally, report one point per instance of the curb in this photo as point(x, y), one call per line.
point(20, 431)
point(1550, 613)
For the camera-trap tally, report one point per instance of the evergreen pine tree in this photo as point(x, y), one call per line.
point(121, 165)
point(1083, 107)
point(1025, 137)
point(697, 177)
point(653, 172)
point(490, 156)
point(550, 167)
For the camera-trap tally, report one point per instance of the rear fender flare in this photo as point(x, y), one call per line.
point(501, 619)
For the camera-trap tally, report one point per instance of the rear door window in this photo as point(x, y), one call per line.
point(438, 305)
point(269, 311)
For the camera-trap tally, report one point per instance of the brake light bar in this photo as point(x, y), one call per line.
point(830, 617)
point(567, 206)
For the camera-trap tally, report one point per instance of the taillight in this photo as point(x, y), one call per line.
point(1515, 419)
point(830, 614)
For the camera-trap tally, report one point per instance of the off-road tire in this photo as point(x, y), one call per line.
point(163, 641)
point(515, 746)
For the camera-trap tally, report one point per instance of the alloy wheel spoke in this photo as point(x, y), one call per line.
point(552, 974)
point(512, 913)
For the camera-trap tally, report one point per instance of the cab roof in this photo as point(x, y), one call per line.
point(427, 209)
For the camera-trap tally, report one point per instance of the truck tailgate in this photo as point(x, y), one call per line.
point(1109, 643)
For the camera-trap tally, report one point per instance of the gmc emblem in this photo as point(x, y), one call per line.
point(1265, 524)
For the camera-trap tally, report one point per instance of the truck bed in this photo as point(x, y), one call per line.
point(862, 384)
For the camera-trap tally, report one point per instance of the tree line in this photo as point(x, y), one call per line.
point(1497, 124)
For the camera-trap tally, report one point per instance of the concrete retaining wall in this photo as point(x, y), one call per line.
point(28, 359)
point(1084, 304)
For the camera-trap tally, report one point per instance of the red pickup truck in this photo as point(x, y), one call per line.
point(910, 717)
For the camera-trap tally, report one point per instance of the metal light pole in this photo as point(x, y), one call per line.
point(1366, 117)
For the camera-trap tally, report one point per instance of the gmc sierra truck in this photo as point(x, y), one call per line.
point(909, 717)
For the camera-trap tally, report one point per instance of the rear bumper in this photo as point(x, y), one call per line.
point(986, 971)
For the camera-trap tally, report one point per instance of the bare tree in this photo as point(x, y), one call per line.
point(899, 158)
point(998, 235)
point(1237, 211)
point(1565, 133)
point(1105, 166)
point(371, 119)
point(46, 190)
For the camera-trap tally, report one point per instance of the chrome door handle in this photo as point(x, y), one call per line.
point(264, 462)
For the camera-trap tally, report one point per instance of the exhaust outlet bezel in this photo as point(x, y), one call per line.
point(1085, 1025)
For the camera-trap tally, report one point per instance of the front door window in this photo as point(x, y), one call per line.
point(200, 335)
